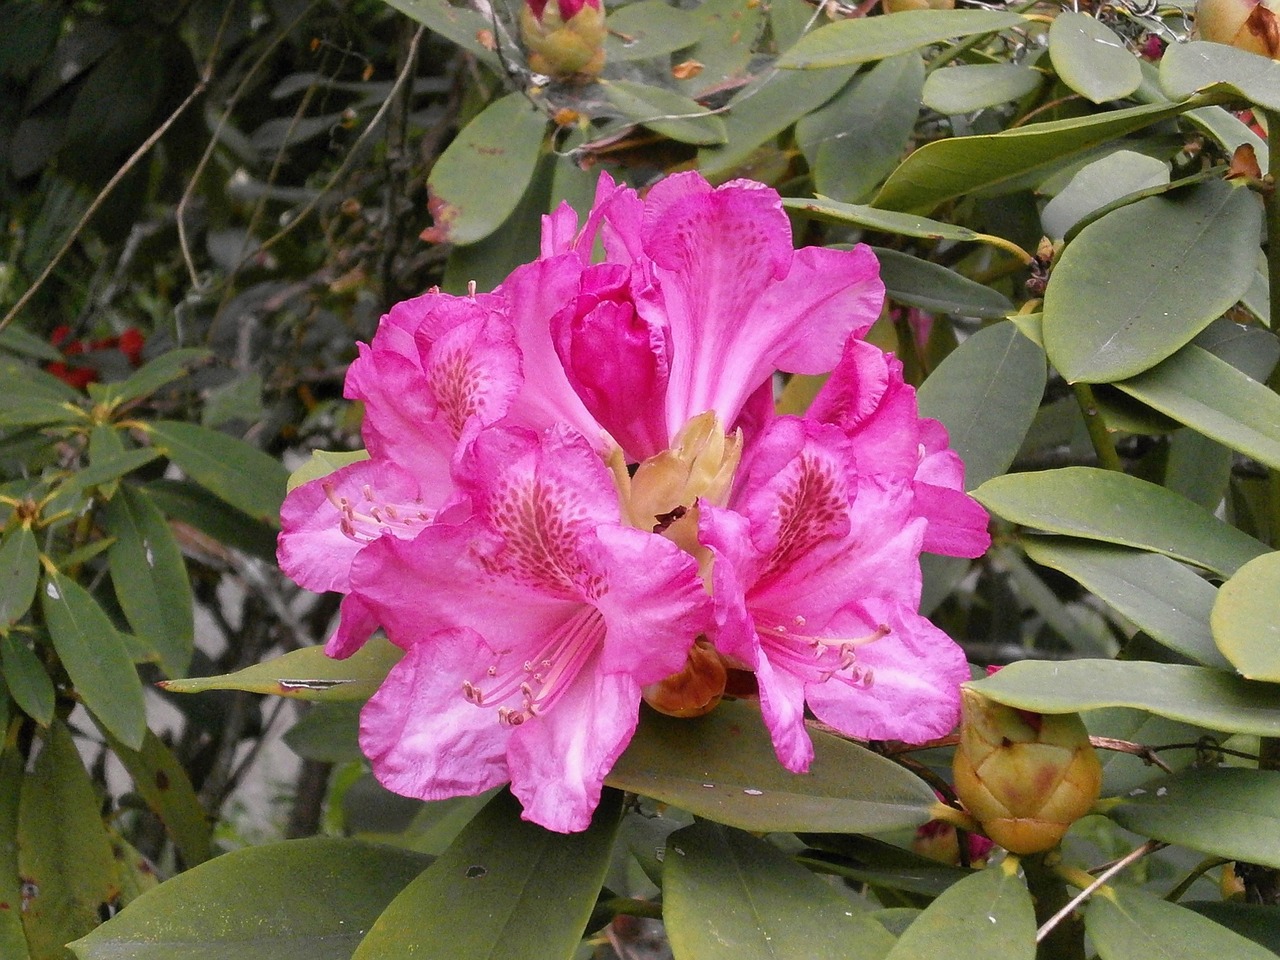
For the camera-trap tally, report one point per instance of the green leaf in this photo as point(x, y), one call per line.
point(1214, 398)
point(150, 578)
point(26, 678)
point(63, 851)
point(969, 87)
point(13, 942)
point(931, 286)
point(1090, 59)
point(650, 28)
point(461, 24)
point(23, 410)
point(861, 39)
point(1229, 130)
point(1099, 183)
point(666, 112)
point(885, 221)
point(17, 340)
point(722, 767)
point(1110, 314)
point(1246, 618)
point(297, 900)
point(880, 864)
point(766, 107)
point(500, 149)
point(1256, 921)
point(1162, 597)
point(306, 674)
point(988, 915)
point(856, 140)
point(727, 31)
point(19, 571)
point(107, 471)
point(156, 373)
point(1122, 772)
point(95, 657)
point(948, 168)
point(1213, 699)
point(986, 394)
point(1231, 812)
point(162, 782)
point(1200, 64)
point(1127, 923)
point(1113, 507)
point(29, 381)
point(729, 896)
point(192, 505)
point(242, 475)
point(503, 888)
point(328, 732)
point(324, 462)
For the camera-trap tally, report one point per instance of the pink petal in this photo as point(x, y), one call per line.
point(727, 535)
point(782, 709)
point(957, 522)
point(356, 624)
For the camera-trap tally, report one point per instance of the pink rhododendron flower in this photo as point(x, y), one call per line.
point(816, 588)
point(529, 629)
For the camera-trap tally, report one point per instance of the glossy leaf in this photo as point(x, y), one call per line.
point(1109, 314)
point(1200, 64)
point(1256, 921)
point(947, 168)
point(666, 112)
point(1210, 395)
point(1099, 183)
point(306, 674)
point(969, 87)
point(931, 286)
point(861, 39)
point(722, 767)
point(499, 148)
point(27, 679)
point(1122, 772)
point(150, 578)
point(730, 896)
point(1161, 596)
point(880, 864)
point(461, 24)
point(162, 782)
point(298, 900)
point(1213, 699)
point(242, 475)
point(989, 914)
point(1127, 923)
point(1246, 618)
point(1090, 59)
point(63, 851)
point(1232, 812)
point(1113, 507)
point(885, 221)
point(503, 885)
point(19, 571)
point(858, 137)
point(650, 28)
point(13, 941)
point(95, 657)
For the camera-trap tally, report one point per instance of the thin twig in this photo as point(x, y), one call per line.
point(1151, 846)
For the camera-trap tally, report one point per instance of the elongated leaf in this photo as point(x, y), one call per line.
point(932, 287)
point(27, 679)
point(885, 221)
point(162, 782)
point(64, 855)
point(989, 915)
point(95, 657)
point(19, 571)
point(1109, 315)
point(1115, 508)
point(881, 864)
point(947, 168)
point(18, 410)
point(243, 476)
point(502, 885)
point(1214, 398)
point(1090, 59)
point(298, 900)
point(722, 767)
point(873, 38)
point(666, 112)
point(1246, 618)
point(986, 394)
point(1256, 921)
point(1213, 699)
point(1200, 64)
point(306, 674)
point(499, 148)
point(156, 373)
point(1162, 597)
point(650, 28)
point(1099, 183)
point(729, 896)
point(29, 381)
point(1123, 772)
point(969, 87)
point(192, 506)
point(461, 24)
point(13, 942)
point(150, 578)
point(106, 471)
point(727, 31)
point(1232, 812)
point(1127, 923)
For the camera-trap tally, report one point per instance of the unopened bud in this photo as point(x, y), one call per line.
point(1026, 777)
point(939, 840)
point(564, 38)
point(693, 691)
point(1252, 25)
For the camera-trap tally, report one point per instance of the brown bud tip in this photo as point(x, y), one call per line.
point(693, 691)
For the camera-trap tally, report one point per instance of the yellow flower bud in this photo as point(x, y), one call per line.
point(1252, 25)
point(1026, 777)
point(564, 38)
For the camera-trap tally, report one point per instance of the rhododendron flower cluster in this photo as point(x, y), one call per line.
point(578, 493)
point(129, 344)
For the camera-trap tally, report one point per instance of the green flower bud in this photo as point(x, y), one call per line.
point(1026, 777)
point(564, 38)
